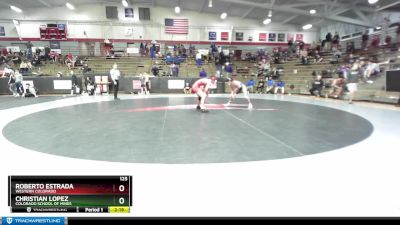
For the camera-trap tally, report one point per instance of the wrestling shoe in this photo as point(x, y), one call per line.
point(204, 110)
point(198, 108)
point(250, 106)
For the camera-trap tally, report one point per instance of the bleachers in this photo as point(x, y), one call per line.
point(295, 74)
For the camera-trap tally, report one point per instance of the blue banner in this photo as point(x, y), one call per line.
point(212, 36)
point(32, 220)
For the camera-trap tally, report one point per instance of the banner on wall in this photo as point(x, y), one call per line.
point(272, 37)
point(212, 36)
point(129, 12)
point(224, 36)
point(299, 37)
point(281, 37)
point(2, 31)
point(290, 37)
point(239, 36)
point(262, 37)
point(62, 84)
point(136, 85)
point(13, 49)
point(55, 45)
point(176, 84)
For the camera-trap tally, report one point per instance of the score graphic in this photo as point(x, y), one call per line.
point(69, 194)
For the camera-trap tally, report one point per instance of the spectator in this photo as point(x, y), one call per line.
point(19, 88)
point(54, 56)
point(155, 70)
point(187, 89)
point(203, 73)
point(29, 46)
point(11, 83)
point(371, 69)
point(260, 86)
point(47, 53)
point(90, 85)
point(85, 68)
point(336, 40)
point(70, 61)
point(7, 71)
point(38, 51)
point(250, 85)
point(153, 52)
point(142, 49)
point(280, 86)
point(317, 85)
point(337, 87)
point(199, 61)
point(350, 47)
point(16, 60)
point(304, 57)
point(228, 69)
point(270, 86)
point(25, 67)
point(174, 70)
point(375, 41)
point(36, 61)
point(328, 41)
point(364, 40)
point(75, 84)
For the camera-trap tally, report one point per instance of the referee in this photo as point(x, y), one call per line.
point(115, 75)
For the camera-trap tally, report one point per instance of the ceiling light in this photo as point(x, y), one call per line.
point(70, 6)
point(125, 3)
point(16, 9)
point(313, 11)
point(307, 26)
point(210, 3)
point(270, 13)
point(372, 1)
point(267, 21)
point(177, 10)
point(378, 28)
point(224, 15)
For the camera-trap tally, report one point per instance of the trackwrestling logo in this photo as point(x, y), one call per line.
point(35, 220)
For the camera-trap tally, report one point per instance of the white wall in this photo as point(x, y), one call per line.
point(92, 20)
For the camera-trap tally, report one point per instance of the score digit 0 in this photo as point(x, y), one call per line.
point(121, 188)
point(121, 201)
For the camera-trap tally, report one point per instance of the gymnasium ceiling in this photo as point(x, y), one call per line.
point(296, 12)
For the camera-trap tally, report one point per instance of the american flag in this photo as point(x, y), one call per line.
point(176, 26)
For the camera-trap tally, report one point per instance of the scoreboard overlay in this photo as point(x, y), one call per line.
point(70, 194)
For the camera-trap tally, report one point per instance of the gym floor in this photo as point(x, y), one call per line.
point(289, 156)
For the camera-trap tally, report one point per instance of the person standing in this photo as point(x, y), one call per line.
point(115, 76)
point(75, 84)
point(11, 84)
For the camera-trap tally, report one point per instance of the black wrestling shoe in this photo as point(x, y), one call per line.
point(198, 107)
